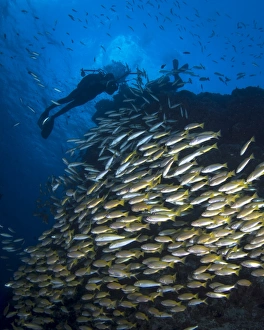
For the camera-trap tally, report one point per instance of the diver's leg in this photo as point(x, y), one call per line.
point(64, 100)
point(66, 108)
point(68, 98)
point(48, 122)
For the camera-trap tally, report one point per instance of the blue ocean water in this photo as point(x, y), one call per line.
point(218, 39)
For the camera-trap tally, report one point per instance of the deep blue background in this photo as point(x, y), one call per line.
point(39, 36)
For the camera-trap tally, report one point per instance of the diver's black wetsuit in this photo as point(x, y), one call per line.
point(87, 89)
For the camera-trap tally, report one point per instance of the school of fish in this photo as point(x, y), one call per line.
point(146, 230)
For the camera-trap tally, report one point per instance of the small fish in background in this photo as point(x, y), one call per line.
point(204, 79)
point(32, 74)
point(57, 90)
point(186, 53)
point(54, 102)
point(30, 108)
point(162, 66)
point(71, 17)
point(219, 74)
point(199, 67)
point(221, 79)
point(212, 34)
point(240, 76)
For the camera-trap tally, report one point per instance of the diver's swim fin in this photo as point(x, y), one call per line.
point(47, 127)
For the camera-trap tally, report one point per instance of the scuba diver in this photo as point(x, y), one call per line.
point(88, 88)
